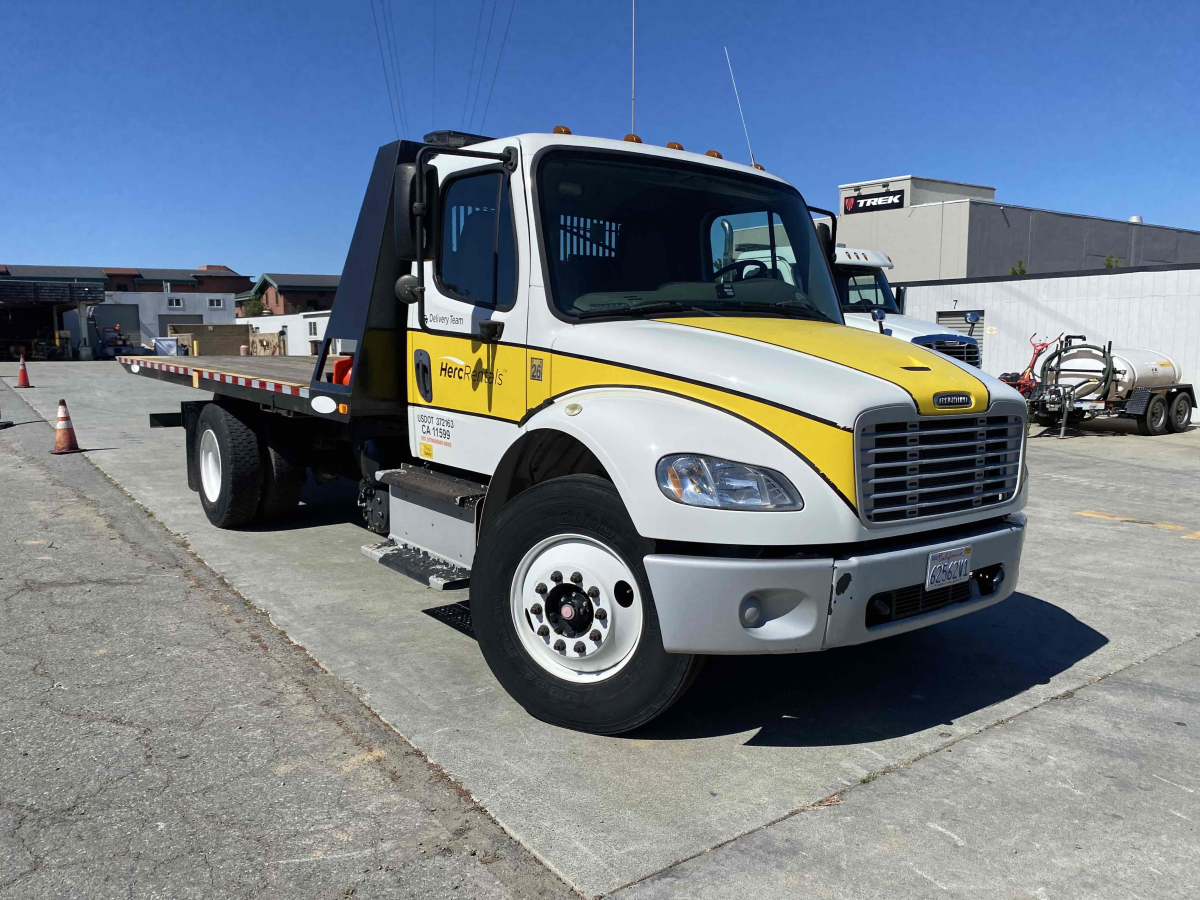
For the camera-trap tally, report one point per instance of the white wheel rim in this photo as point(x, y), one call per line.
point(210, 466)
point(611, 634)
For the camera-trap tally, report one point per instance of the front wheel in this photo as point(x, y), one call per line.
point(1153, 421)
point(563, 612)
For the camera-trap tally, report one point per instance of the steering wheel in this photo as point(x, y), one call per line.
point(739, 269)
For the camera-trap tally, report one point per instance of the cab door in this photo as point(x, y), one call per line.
point(466, 395)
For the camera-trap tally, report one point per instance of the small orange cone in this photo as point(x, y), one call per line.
point(23, 375)
point(64, 432)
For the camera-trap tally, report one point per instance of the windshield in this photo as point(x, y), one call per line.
point(630, 238)
point(861, 290)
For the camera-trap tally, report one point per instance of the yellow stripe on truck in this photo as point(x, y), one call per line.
point(874, 354)
point(827, 448)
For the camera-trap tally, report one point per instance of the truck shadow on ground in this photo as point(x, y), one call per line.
point(885, 689)
point(333, 503)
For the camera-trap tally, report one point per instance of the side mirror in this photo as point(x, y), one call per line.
point(901, 294)
point(879, 315)
point(972, 317)
point(825, 239)
point(408, 289)
point(404, 196)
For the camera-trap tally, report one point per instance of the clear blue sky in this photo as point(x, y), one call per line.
point(242, 132)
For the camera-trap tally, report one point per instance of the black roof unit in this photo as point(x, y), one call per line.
point(455, 139)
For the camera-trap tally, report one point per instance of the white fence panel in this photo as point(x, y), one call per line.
point(1150, 310)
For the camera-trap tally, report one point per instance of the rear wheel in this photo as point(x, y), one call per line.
point(1180, 414)
point(1153, 421)
point(563, 612)
point(227, 451)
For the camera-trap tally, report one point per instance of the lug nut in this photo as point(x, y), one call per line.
point(556, 577)
point(601, 614)
point(541, 588)
point(577, 578)
point(543, 631)
point(579, 647)
point(595, 635)
point(593, 592)
point(560, 645)
point(536, 609)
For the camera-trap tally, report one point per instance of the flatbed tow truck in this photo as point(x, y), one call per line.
point(555, 390)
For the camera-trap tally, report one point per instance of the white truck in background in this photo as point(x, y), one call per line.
point(864, 293)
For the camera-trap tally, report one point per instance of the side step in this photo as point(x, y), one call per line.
point(419, 565)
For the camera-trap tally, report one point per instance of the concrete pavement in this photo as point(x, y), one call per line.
point(756, 739)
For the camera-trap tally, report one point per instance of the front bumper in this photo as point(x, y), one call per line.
point(814, 604)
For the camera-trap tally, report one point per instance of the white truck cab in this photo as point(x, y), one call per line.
point(864, 293)
point(638, 444)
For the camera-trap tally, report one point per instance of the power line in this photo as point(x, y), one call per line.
point(499, 57)
point(483, 63)
point(389, 24)
point(386, 83)
point(471, 72)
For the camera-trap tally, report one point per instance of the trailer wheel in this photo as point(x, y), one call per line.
point(563, 613)
point(283, 479)
point(227, 458)
point(1181, 412)
point(1153, 421)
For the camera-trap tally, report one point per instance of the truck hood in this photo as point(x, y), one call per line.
point(903, 327)
point(826, 372)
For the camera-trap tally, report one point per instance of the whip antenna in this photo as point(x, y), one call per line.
point(633, 66)
point(739, 103)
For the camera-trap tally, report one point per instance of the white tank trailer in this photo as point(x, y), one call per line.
point(1087, 380)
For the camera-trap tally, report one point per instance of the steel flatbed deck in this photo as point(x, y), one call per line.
point(276, 381)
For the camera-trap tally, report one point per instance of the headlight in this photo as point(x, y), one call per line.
point(723, 484)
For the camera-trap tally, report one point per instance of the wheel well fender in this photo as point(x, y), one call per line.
point(536, 456)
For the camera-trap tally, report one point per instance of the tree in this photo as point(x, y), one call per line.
point(252, 306)
point(1111, 262)
point(1018, 269)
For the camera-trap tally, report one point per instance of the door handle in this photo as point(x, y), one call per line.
point(423, 373)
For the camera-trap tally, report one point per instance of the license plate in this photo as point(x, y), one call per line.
point(947, 567)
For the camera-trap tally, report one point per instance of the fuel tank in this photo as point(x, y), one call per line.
point(1131, 369)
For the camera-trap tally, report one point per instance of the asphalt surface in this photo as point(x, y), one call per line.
point(160, 738)
point(826, 773)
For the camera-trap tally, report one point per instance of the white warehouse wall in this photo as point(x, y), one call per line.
point(151, 305)
point(299, 329)
point(1156, 310)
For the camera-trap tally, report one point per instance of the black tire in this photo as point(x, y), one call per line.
point(1045, 419)
point(283, 477)
point(652, 679)
point(239, 485)
point(1153, 421)
point(1180, 414)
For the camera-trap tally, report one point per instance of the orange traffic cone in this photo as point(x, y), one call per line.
point(23, 375)
point(64, 432)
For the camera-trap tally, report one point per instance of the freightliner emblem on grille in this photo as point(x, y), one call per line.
point(952, 400)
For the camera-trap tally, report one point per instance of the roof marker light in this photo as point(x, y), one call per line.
point(674, 145)
point(757, 166)
point(714, 154)
point(633, 139)
point(561, 129)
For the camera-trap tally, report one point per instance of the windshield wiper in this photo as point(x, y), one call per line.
point(647, 309)
point(796, 309)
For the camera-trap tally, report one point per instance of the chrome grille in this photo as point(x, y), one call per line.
point(964, 351)
point(922, 467)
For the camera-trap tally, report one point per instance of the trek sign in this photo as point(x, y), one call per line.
point(861, 203)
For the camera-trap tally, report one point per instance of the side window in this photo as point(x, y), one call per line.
point(478, 258)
